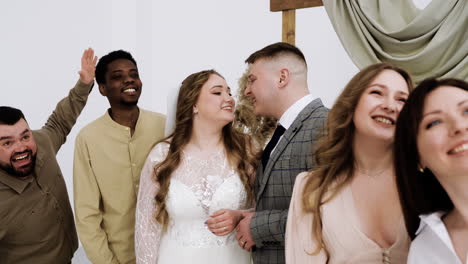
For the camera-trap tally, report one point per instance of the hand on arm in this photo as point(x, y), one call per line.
point(88, 66)
point(223, 222)
point(243, 235)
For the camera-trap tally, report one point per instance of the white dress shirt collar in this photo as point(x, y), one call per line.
point(427, 246)
point(435, 223)
point(293, 111)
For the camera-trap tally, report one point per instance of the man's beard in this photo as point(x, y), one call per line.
point(24, 170)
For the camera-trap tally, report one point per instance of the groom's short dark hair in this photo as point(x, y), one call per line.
point(274, 50)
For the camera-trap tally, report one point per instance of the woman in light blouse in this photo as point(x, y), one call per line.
point(431, 160)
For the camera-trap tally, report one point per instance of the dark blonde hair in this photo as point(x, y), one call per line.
point(334, 155)
point(237, 145)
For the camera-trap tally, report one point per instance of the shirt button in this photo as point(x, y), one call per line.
point(137, 185)
point(133, 164)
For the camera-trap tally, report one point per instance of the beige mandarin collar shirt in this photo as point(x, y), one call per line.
point(107, 167)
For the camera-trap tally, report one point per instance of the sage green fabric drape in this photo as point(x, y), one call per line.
point(428, 42)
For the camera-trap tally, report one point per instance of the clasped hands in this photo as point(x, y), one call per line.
point(224, 221)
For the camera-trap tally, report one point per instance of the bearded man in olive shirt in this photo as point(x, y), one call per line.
point(36, 220)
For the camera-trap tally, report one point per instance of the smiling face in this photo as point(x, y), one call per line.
point(261, 87)
point(17, 149)
point(122, 83)
point(215, 103)
point(443, 133)
point(378, 108)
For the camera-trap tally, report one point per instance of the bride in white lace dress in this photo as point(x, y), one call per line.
point(196, 182)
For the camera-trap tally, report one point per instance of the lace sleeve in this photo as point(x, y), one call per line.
point(147, 229)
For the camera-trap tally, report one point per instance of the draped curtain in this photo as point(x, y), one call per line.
point(427, 42)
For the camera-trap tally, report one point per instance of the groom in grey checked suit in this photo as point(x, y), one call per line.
point(278, 88)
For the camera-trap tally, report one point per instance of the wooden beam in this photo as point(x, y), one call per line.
point(289, 26)
point(281, 5)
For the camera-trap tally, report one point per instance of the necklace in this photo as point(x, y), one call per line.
point(372, 174)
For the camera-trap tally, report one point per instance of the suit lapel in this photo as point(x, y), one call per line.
point(282, 144)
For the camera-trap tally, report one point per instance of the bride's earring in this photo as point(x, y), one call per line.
point(195, 111)
point(421, 168)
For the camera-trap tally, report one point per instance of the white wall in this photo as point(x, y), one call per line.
point(42, 41)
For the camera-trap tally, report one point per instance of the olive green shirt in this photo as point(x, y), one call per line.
point(36, 219)
point(106, 174)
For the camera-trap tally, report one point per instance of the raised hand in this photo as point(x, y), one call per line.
point(88, 66)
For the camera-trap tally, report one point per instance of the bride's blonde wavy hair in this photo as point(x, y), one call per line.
point(238, 146)
point(334, 154)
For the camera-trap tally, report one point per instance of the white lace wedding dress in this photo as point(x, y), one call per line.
point(199, 187)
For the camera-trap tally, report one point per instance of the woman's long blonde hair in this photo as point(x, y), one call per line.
point(238, 146)
point(334, 154)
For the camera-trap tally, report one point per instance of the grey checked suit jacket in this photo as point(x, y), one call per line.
point(274, 185)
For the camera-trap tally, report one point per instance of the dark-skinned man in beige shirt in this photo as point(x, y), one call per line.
point(109, 155)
